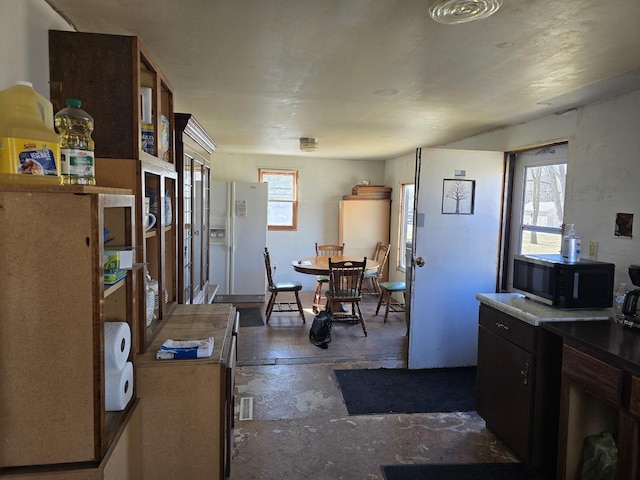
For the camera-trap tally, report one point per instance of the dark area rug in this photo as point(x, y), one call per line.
point(251, 317)
point(388, 390)
point(471, 471)
point(238, 299)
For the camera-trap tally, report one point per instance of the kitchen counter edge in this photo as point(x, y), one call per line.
point(535, 313)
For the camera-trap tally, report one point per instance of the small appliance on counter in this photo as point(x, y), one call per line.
point(630, 306)
point(549, 279)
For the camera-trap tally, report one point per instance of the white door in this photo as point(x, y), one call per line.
point(457, 236)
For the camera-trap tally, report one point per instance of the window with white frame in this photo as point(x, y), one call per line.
point(283, 198)
point(539, 190)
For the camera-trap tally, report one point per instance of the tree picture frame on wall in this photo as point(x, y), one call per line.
point(458, 196)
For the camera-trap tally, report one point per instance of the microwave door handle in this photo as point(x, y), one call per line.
point(576, 284)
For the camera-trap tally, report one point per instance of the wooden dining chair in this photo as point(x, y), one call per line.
point(278, 287)
point(380, 256)
point(323, 280)
point(345, 288)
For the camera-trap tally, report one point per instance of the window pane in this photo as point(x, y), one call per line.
point(406, 223)
point(544, 196)
point(280, 214)
point(281, 187)
point(540, 242)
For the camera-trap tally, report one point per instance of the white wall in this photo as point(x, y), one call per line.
point(603, 170)
point(24, 42)
point(321, 184)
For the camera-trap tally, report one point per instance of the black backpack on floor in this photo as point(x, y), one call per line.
point(320, 333)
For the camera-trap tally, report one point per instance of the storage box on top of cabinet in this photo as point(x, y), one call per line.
point(54, 305)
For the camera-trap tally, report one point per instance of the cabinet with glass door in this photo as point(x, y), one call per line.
point(194, 147)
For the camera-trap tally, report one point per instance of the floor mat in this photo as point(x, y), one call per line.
point(251, 317)
point(471, 471)
point(238, 299)
point(382, 390)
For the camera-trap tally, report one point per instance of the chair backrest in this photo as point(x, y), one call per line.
point(381, 256)
point(267, 266)
point(329, 250)
point(345, 278)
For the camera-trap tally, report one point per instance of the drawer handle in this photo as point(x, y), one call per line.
point(525, 374)
point(502, 326)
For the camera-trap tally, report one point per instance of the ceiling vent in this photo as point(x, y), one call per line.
point(462, 11)
point(308, 144)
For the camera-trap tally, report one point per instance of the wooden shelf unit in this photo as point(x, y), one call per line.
point(54, 305)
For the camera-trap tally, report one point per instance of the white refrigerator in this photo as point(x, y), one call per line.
point(237, 237)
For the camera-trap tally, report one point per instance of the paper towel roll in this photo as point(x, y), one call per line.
point(118, 387)
point(117, 344)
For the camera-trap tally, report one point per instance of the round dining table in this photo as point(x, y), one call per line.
point(319, 265)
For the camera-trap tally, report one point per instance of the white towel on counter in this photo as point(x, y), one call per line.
point(178, 349)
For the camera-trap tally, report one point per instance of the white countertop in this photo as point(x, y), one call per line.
point(534, 313)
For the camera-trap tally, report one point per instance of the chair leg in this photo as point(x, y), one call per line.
point(300, 307)
point(270, 304)
point(360, 318)
point(386, 310)
point(380, 300)
point(376, 286)
point(317, 297)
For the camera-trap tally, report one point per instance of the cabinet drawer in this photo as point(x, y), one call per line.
point(634, 404)
point(509, 328)
point(597, 377)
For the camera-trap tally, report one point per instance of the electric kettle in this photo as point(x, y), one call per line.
point(630, 306)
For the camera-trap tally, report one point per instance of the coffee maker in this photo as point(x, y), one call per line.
point(630, 306)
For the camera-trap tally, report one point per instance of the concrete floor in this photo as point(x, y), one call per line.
point(300, 428)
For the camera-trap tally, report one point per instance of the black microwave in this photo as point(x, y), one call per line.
point(548, 279)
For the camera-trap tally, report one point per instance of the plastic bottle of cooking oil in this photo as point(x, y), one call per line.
point(77, 162)
point(29, 147)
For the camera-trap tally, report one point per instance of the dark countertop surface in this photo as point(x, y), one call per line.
point(607, 339)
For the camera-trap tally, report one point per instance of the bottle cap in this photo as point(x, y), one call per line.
point(74, 102)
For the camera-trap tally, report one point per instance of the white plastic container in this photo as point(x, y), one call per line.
point(571, 246)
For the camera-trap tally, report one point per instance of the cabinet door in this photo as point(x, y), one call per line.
point(187, 228)
point(197, 230)
point(505, 386)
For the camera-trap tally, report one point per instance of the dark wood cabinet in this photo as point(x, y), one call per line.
point(194, 147)
point(506, 378)
point(518, 387)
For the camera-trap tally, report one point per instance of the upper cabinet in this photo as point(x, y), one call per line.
point(131, 101)
point(121, 87)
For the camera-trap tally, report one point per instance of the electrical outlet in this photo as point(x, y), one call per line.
point(593, 250)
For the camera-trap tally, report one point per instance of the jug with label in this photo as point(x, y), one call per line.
point(77, 162)
point(29, 146)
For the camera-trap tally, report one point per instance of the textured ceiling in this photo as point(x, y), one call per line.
point(372, 78)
